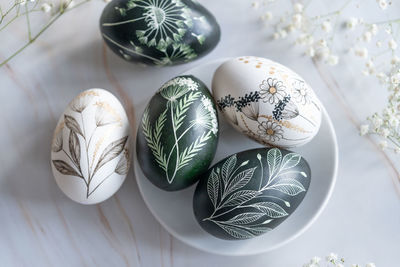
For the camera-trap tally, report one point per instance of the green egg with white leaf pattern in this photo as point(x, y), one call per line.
point(159, 32)
point(178, 134)
point(250, 193)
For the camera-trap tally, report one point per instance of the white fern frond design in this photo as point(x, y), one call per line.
point(182, 107)
point(191, 151)
point(153, 137)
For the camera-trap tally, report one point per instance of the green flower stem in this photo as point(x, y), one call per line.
point(46, 26)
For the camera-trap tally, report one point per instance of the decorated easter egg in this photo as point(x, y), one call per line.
point(159, 32)
point(250, 193)
point(178, 134)
point(90, 148)
point(267, 101)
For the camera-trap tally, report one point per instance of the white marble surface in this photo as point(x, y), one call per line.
point(39, 226)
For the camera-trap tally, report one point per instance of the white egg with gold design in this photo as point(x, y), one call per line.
point(267, 101)
point(90, 147)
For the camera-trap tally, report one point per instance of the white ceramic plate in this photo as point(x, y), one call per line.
point(174, 209)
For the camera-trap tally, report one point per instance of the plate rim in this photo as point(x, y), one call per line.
point(301, 231)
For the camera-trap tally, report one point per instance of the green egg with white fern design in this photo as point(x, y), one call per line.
point(178, 134)
point(250, 193)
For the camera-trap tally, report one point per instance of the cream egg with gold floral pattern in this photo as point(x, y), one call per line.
point(90, 148)
point(267, 101)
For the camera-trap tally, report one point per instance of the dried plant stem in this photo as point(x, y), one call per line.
point(33, 38)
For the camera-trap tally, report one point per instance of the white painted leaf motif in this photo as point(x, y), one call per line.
point(212, 187)
point(272, 209)
point(240, 197)
point(259, 230)
point(234, 231)
point(245, 218)
point(240, 180)
point(274, 157)
point(227, 168)
point(290, 160)
point(291, 187)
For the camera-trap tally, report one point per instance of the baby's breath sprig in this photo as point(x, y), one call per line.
point(24, 10)
point(332, 260)
point(375, 44)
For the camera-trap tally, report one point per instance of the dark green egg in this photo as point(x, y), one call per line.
point(251, 192)
point(178, 134)
point(159, 32)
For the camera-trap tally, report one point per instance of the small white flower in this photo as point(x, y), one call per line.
point(255, 5)
point(276, 35)
point(369, 64)
point(377, 122)
point(310, 52)
point(297, 20)
point(382, 4)
point(379, 44)
point(46, 7)
point(322, 43)
point(298, 8)
point(395, 79)
point(392, 44)
point(385, 132)
point(366, 72)
point(282, 34)
point(361, 52)
point(367, 36)
point(315, 260)
point(364, 129)
point(395, 60)
point(351, 23)
point(383, 144)
point(267, 16)
point(326, 26)
point(332, 257)
point(333, 60)
point(393, 121)
point(374, 29)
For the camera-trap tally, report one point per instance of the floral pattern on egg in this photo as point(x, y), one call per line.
point(272, 105)
point(159, 32)
point(90, 149)
point(178, 133)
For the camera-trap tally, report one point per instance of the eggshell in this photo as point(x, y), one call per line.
point(250, 193)
point(159, 32)
point(178, 133)
point(267, 101)
point(90, 148)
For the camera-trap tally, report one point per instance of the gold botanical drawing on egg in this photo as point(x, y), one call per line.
point(80, 143)
point(284, 102)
